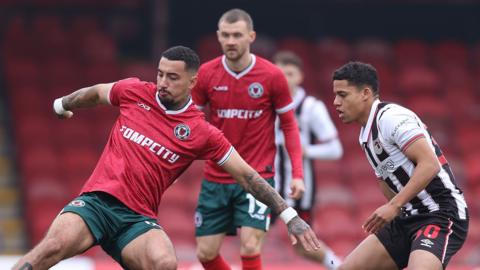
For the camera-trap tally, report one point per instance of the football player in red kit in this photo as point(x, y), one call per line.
point(245, 93)
point(157, 135)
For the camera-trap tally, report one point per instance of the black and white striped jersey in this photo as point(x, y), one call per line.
point(319, 139)
point(390, 129)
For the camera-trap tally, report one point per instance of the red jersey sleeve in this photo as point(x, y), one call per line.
point(280, 93)
point(217, 148)
point(117, 93)
point(283, 107)
point(200, 90)
point(289, 126)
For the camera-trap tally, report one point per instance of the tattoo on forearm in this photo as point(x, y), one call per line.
point(82, 98)
point(265, 193)
point(26, 266)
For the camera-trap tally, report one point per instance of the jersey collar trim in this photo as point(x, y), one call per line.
point(365, 131)
point(299, 96)
point(181, 110)
point(244, 72)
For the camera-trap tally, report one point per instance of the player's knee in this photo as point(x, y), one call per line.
point(251, 246)
point(205, 254)
point(162, 262)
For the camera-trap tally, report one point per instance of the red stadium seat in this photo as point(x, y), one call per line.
point(450, 53)
point(429, 107)
point(21, 72)
point(39, 159)
point(101, 73)
point(467, 139)
point(336, 223)
point(61, 73)
point(332, 52)
point(208, 47)
point(475, 55)
point(367, 194)
point(98, 49)
point(472, 169)
point(373, 51)
point(418, 80)
point(457, 78)
point(18, 42)
point(144, 70)
point(411, 53)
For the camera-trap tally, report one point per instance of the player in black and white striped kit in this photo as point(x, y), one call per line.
point(319, 140)
point(425, 221)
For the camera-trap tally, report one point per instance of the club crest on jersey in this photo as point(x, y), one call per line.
point(77, 203)
point(182, 131)
point(255, 90)
point(377, 147)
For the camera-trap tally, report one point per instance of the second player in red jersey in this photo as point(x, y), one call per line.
point(245, 93)
point(244, 106)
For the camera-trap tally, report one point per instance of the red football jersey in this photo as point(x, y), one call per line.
point(244, 107)
point(150, 146)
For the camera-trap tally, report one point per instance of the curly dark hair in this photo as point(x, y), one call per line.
point(359, 74)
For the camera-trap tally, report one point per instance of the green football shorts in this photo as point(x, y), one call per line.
point(112, 224)
point(222, 208)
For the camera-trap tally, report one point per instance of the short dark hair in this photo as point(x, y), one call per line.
point(235, 15)
point(359, 74)
point(288, 58)
point(185, 54)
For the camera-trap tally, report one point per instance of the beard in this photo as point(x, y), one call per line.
point(233, 55)
point(167, 101)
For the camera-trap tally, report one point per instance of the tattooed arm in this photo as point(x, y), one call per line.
point(253, 183)
point(82, 98)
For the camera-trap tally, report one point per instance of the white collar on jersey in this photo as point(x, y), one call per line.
point(365, 131)
point(184, 108)
point(299, 95)
point(241, 74)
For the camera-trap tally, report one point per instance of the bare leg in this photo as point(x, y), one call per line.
point(151, 250)
point(422, 259)
point(208, 246)
point(370, 254)
point(251, 240)
point(67, 236)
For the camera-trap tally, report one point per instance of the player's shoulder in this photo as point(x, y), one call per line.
point(136, 86)
point(212, 64)
point(388, 111)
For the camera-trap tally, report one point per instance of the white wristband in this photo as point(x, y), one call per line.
point(58, 107)
point(288, 214)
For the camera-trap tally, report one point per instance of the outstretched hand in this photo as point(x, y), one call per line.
point(60, 111)
point(299, 230)
point(297, 188)
point(383, 215)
